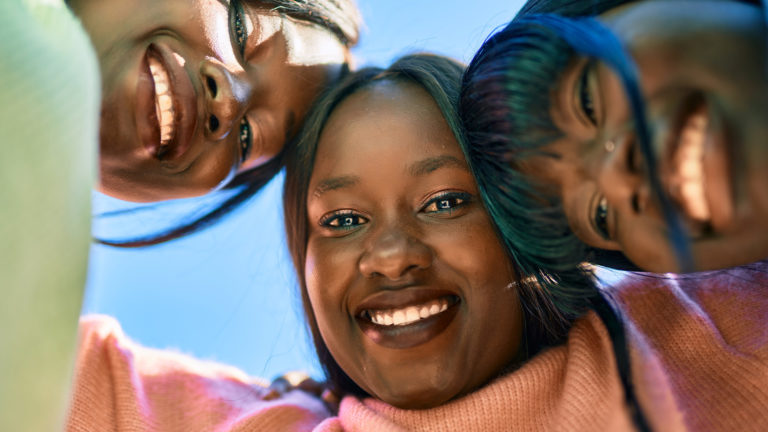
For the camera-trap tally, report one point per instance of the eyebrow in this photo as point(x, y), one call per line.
point(420, 168)
point(426, 166)
point(335, 183)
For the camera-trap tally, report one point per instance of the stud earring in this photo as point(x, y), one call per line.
point(609, 146)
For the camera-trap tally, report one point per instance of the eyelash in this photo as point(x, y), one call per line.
point(445, 203)
point(239, 29)
point(343, 220)
point(585, 97)
point(460, 199)
point(240, 37)
point(244, 138)
point(600, 218)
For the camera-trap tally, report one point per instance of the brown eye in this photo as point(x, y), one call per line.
point(585, 95)
point(238, 29)
point(446, 203)
point(245, 138)
point(344, 220)
point(600, 218)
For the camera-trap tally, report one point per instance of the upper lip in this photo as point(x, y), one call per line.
point(184, 103)
point(401, 296)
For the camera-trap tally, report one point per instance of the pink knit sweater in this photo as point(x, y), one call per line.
point(698, 349)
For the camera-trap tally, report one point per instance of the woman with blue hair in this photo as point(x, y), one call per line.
point(636, 133)
point(630, 134)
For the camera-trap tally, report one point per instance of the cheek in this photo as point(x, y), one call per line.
point(644, 241)
point(328, 270)
point(475, 250)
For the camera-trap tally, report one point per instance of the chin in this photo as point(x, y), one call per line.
point(419, 398)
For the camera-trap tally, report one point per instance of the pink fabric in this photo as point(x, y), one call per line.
point(698, 347)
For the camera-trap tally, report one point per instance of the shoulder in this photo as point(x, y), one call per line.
point(157, 389)
point(702, 338)
point(731, 305)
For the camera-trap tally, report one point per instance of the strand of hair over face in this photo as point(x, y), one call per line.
point(589, 37)
point(504, 105)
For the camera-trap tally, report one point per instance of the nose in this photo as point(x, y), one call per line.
point(227, 96)
point(621, 176)
point(393, 253)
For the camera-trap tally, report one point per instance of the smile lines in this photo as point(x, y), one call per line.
point(407, 315)
point(163, 101)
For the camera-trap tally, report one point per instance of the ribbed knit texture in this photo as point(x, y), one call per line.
point(698, 348)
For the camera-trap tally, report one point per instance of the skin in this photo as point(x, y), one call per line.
point(375, 228)
point(284, 66)
point(711, 159)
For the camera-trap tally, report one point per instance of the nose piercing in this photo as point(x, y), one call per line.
point(609, 146)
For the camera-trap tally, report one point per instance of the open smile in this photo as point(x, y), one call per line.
point(166, 111)
point(698, 161)
point(404, 319)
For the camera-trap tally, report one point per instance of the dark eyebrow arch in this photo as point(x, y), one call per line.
point(335, 183)
point(426, 166)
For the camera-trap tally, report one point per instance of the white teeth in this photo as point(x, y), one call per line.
point(689, 180)
point(163, 101)
point(398, 317)
point(407, 315)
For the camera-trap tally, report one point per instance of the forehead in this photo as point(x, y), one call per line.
point(390, 124)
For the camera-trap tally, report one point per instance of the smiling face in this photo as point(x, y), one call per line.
point(703, 79)
point(195, 91)
point(405, 274)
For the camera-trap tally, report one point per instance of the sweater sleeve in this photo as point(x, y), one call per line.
point(707, 334)
point(120, 385)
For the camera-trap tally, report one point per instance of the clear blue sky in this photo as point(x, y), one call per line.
point(228, 293)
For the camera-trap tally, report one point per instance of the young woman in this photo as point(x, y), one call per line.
point(420, 318)
point(641, 131)
point(203, 94)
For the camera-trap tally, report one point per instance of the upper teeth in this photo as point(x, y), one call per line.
point(163, 101)
point(689, 178)
point(407, 315)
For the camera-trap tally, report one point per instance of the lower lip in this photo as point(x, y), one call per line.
point(411, 335)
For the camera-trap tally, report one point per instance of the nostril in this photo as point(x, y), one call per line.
point(213, 123)
point(636, 202)
point(212, 87)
